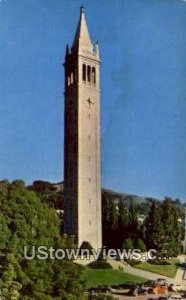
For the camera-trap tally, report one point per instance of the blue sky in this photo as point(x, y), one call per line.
point(143, 91)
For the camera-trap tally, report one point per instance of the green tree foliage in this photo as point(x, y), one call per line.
point(9, 285)
point(100, 264)
point(140, 245)
point(172, 230)
point(163, 229)
point(86, 248)
point(154, 228)
point(48, 193)
point(26, 221)
point(109, 223)
point(123, 221)
point(128, 244)
point(119, 223)
point(133, 226)
point(86, 245)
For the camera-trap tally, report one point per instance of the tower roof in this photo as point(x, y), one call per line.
point(82, 37)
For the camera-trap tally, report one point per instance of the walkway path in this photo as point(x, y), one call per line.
point(180, 277)
point(146, 274)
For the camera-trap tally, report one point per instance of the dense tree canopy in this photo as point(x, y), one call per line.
point(26, 221)
point(28, 218)
point(163, 229)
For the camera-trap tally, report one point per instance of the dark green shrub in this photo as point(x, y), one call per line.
point(100, 264)
point(140, 245)
point(128, 244)
point(158, 262)
point(133, 262)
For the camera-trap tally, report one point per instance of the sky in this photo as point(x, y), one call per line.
point(143, 91)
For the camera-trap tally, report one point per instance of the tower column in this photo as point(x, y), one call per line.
point(82, 215)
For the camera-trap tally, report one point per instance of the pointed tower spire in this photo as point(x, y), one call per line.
point(82, 9)
point(67, 50)
point(82, 37)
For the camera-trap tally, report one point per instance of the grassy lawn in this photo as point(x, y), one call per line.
point(166, 270)
point(95, 277)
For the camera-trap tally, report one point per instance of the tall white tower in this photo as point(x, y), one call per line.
point(82, 204)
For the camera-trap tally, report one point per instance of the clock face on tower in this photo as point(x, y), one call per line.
point(90, 102)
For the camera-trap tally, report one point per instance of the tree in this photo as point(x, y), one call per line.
point(128, 244)
point(133, 226)
point(140, 245)
point(154, 228)
point(163, 230)
point(86, 249)
point(9, 286)
point(48, 193)
point(109, 223)
point(172, 229)
point(123, 219)
point(26, 221)
point(86, 245)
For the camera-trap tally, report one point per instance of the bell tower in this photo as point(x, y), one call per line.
point(82, 175)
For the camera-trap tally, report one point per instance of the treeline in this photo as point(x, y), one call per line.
point(49, 193)
point(25, 220)
point(160, 229)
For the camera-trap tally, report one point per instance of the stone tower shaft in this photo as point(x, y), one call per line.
point(82, 138)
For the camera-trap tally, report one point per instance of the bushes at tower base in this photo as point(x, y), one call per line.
point(26, 221)
point(86, 246)
point(100, 264)
point(140, 245)
point(129, 244)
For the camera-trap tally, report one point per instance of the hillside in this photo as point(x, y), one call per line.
point(54, 193)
